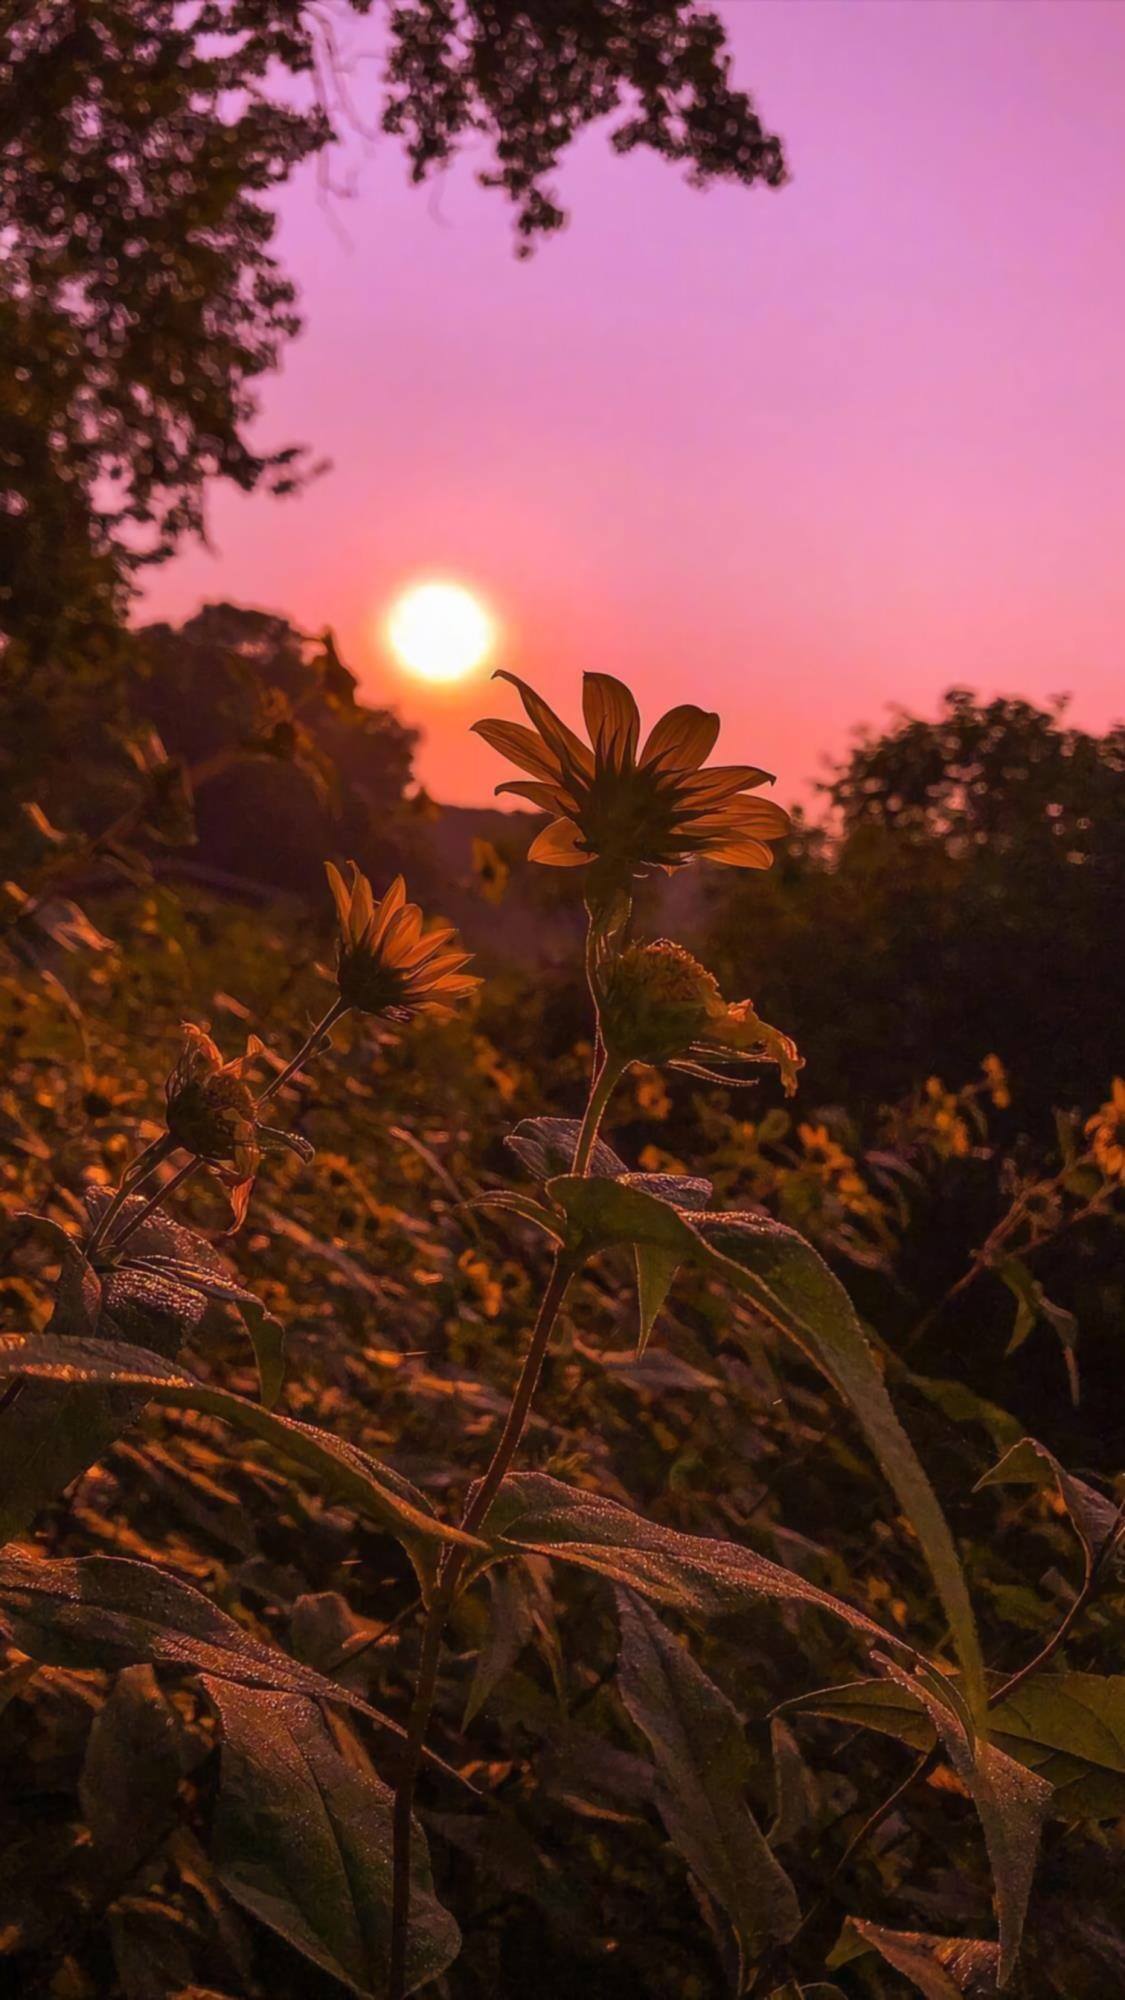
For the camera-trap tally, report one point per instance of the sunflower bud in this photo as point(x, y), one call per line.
point(656, 1002)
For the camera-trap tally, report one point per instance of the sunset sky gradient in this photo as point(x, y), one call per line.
point(799, 455)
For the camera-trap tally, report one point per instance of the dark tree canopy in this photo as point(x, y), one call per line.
point(141, 145)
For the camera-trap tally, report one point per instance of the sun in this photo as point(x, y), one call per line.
point(440, 631)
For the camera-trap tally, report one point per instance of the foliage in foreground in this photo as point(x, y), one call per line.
point(703, 1690)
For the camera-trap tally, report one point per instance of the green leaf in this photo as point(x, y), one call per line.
point(785, 1280)
point(546, 1146)
point(1011, 1803)
point(704, 1766)
point(267, 1335)
point(102, 1611)
point(1096, 1521)
point(354, 1476)
point(510, 1626)
point(691, 1573)
point(135, 1755)
point(1070, 1728)
point(1033, 1305)
point(963, 1406)
point(940, 1968)
point(302, 1838)
point(656, 1270)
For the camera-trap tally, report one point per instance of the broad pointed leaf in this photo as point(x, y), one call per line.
point(1095, 1519)
point(940, 1968)
point(793, 1288)
point(1011, 1803)
point(370, 1487)
point(704, 1766)
point(303, 1840)
point(690, 1572)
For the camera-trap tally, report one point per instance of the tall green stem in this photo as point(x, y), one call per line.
point(145, 1164)
point(311, 1042)
point(605, 1082)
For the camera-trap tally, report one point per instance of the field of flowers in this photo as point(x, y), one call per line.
point(499, 1499)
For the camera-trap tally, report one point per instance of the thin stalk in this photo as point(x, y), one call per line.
point(312, 1041)
point(450, 1574)
point(145, 1164)
point(605, 1082)
point(160, 1195)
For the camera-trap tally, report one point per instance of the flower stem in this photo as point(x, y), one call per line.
point(159, 1195)
point(323, 1027)
point(480, 1500)
point(145, 1164)
point(605, 1082)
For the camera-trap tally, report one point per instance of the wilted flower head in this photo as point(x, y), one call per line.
point(212, 1112)
point(1106, 1133)
point(211, 1106)
point(387, 963)
point(634, 809)
point(658, 1004)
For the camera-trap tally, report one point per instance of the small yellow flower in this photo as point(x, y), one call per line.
point(632, 809)
point(996, 1081)
point(1106, 1133)
point(387, 963)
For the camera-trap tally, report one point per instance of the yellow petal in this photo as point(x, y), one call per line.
point(340, 892)
point(739, 851)
point(739, 816)
point(722, 781)
point(682, 740)
point(556, 734)
point(552, 798)
point(362, 906)
point(386, 912)
point(557, 845)
point(516, 741)
point(612, 720)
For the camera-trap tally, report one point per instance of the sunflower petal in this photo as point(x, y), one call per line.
point(739, 851)
point(362, 912)
point(557, 845)
point(556, 734)
point(550, 797)
point(521, 745)
point(386, 911)
point(738, 816)
point(340, 892)
point(612, 719)
point(722, 781)
point(682, 740)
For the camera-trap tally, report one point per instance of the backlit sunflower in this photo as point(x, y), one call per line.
point(631, 809)
point(387, 963)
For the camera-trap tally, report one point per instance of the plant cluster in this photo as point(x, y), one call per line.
point(631, 1723)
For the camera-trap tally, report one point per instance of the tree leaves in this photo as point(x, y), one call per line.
point(302, 1839)
point(940, 1968)
point(370, 1487)
point(691, 1573)
point(704, 1767)
point(785, 1280)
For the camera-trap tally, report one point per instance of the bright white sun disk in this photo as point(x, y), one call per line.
point(440, 631)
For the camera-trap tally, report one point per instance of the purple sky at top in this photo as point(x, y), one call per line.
point(796, 455)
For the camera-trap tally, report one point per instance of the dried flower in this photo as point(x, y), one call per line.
point(630, 811)
point(387, 963)
point(658, 1004)
point(212, 1112)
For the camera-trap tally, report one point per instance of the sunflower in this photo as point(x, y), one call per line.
point(1106, 1132)
point(633, 810)
point(387, 963)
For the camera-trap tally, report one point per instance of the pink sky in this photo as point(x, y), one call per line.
point(796, 455)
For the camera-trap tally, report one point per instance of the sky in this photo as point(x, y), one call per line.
point(799, 455)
